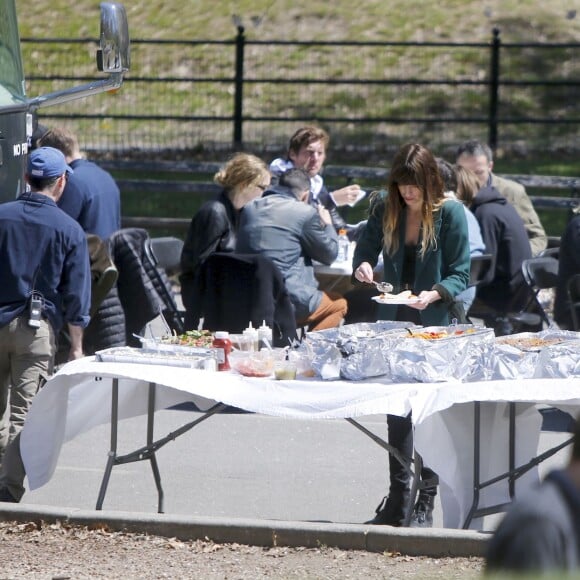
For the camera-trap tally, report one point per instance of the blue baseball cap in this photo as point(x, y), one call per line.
point(47, 162)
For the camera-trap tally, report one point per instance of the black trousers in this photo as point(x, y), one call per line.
point(401, 438)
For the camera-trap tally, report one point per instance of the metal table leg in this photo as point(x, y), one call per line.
point(148, 451)
point(152, 456)
point(112, 455)
point(514, 472)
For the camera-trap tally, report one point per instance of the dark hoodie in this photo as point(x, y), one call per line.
point(505, 237)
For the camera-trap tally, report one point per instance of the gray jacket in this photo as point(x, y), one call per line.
point(291, 234)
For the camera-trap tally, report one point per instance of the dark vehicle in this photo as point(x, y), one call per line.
point(17, 110)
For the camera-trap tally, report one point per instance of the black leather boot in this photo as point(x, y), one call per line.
point(423, 513)
point(391, 511)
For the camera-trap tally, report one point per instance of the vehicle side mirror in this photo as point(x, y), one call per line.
point(113, 55)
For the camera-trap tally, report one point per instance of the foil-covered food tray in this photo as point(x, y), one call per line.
point(401, 351)
point(204, 359)
point(354, 351)
point(442, 353)
point(560, 360)
point(153, 345)
point(527, 354)
point(537, 341)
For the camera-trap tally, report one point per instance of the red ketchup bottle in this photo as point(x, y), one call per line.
point(223, 343)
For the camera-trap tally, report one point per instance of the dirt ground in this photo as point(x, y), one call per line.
point(56, 551)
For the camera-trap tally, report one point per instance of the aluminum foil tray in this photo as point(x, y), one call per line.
point(354, 351)
point(154, 345)
point(527, 354)
point(205, 360)
point(442, 353)
point(560, 360)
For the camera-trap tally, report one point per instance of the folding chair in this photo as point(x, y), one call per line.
point(573, 291)
point(480, 265)
point(167, 251)
point(524, 312)
point(540, 273)
point(240, 288)
point(143, 287)
point(158, 273)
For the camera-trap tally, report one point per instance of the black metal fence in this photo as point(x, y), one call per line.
point(371, 96)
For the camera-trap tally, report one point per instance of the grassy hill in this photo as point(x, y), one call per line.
point(520, 21)
point(372, 20)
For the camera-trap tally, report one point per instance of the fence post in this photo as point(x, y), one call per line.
point(239, 88)
point(494, 89)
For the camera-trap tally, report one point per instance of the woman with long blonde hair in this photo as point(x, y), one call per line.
point(425, 245)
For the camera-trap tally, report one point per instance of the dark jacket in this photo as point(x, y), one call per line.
point(516, 195)
point(144, 289)
point(444, 268)
point(506, 239)
point(212, 229)
point(569, 264)
point(43, 249)
point(540, 533)
point(107, 326)
point(291, 234)
point(323, 196)
point(237, 289)
point(91, 197)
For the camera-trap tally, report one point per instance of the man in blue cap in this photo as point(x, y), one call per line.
point(46, 283)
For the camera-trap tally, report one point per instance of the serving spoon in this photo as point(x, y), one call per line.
point(382, 286)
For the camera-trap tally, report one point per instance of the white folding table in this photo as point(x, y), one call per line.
point(478, 437)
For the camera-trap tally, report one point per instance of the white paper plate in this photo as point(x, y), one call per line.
point(395, 300)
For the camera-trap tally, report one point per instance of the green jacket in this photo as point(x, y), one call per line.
point(444, 268)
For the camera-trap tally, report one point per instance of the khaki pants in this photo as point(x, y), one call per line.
point(26, 361)
point(12, 472)
point(329, 313)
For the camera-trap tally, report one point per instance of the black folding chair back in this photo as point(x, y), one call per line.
point(573, 290)
point(158, 273)
point(540, 273)
point(167, 251)
point(480, 265)
point(237, 289)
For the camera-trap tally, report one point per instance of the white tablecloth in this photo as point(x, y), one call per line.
point(78, 398)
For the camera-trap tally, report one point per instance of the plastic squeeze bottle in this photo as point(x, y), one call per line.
point(223, 344)
point(253, 334)
point(265, 336)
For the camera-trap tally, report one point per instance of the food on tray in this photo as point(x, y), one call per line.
point(439, 334)
point(429, 335)
point(203, 338)
point(404, 295)
point(529, 342)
